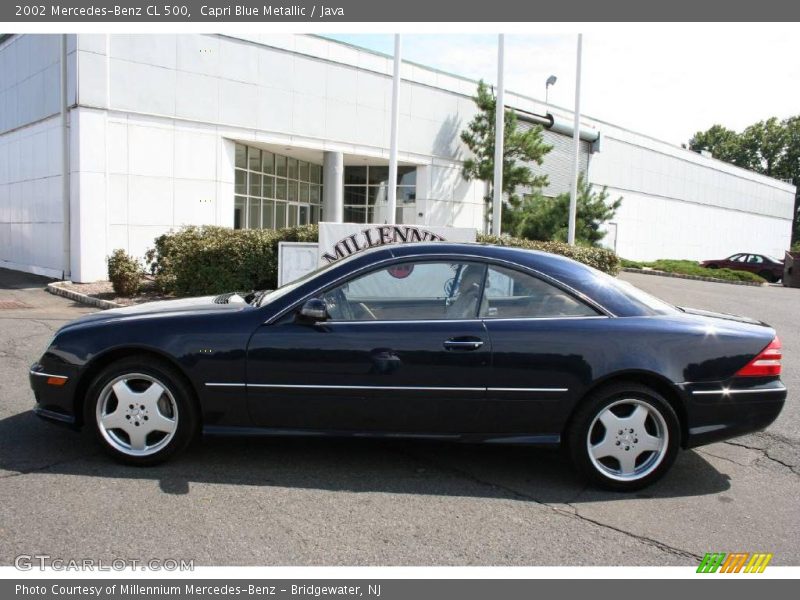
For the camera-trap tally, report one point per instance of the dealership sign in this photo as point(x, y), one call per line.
point(340, 240)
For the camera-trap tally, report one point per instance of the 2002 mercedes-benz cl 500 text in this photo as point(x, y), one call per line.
point(464, 342)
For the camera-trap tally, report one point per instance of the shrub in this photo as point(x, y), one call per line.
point(599, 258)
point(124, 273)
point(196, 261)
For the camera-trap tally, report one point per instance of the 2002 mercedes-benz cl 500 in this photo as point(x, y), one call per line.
point(463, 342)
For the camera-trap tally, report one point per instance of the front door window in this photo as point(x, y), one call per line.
point(410, 291)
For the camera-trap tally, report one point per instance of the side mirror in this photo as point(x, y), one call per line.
point(314, 310)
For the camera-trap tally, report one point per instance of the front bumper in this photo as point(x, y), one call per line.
point(717, 412)
point(54, 393)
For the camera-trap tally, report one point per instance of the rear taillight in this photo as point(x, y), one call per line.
point(766, 364)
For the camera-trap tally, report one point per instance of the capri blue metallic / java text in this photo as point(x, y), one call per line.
point(462, 342)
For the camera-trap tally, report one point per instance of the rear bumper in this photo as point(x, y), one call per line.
point(719, 412)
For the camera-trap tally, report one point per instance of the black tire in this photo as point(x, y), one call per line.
point(649, 466)
point(767, 276)
point(175, 402)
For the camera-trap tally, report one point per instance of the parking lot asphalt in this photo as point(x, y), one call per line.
point(349, 502)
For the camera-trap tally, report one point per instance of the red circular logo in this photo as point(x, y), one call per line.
point(400, 271)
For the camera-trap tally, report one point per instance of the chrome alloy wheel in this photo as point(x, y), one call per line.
point(627, 440)
point(137, 414)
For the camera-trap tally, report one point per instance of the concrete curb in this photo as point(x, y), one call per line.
point(57, 289)
point(694, 277)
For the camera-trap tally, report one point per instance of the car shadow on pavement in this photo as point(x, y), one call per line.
point(28, 445)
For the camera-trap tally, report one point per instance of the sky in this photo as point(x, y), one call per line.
point(667, 81)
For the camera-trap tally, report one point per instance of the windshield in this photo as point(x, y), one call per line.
point(288, 287)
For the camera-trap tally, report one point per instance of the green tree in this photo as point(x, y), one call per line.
point(543, 218)
point(764, 144)
point(788, 166)
point(520, 149)
point(770, 147)
point(723, 143)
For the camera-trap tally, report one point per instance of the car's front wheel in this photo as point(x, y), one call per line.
point(142, 411)
point(624, 437)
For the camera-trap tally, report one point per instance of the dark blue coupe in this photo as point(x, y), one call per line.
point(461, 342)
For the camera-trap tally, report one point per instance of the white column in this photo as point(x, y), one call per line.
point(65, 166)
point(499, 132)
point(576, 147)
point(333, 187)
point(391, 201)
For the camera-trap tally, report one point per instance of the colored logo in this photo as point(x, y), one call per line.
point(734, 562)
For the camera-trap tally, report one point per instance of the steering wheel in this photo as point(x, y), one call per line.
point(338, 306)
point(367, 311)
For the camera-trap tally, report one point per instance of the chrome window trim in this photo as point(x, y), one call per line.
point(388, 321)
point(486, 261)
point(562, 318)
point(490, 319)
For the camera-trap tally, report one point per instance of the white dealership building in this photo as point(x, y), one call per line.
point(144, 133)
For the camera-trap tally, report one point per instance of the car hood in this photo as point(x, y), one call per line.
point(200, 304)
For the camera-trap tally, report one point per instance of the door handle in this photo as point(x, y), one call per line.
point(463, 344)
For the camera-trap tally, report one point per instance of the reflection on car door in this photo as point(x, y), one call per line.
point(543, 341)
point(392, 357)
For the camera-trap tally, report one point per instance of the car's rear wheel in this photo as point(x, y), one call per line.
point(142, 411)
point(767, 276)
point(624, 437)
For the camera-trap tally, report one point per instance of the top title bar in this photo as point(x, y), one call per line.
point(464, 11)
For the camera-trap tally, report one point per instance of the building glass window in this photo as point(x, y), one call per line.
point(365, 189)
point(274, 191)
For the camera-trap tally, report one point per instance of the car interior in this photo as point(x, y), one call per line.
point(434, 291)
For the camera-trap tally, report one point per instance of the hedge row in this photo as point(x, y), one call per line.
point(690, 267)
point(599, 258)
point(196, 261)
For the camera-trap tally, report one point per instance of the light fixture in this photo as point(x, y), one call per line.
point(550, 81)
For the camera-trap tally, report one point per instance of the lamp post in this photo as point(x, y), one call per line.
point(499, 131)
point(391, 200)
point(550, 81)
point(576, 146)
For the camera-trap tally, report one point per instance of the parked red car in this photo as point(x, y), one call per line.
point(765, 266)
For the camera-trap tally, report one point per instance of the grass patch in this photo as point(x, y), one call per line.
point(629, 264)
point(690, 267)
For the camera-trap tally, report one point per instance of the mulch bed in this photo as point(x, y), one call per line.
point(103, 291)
